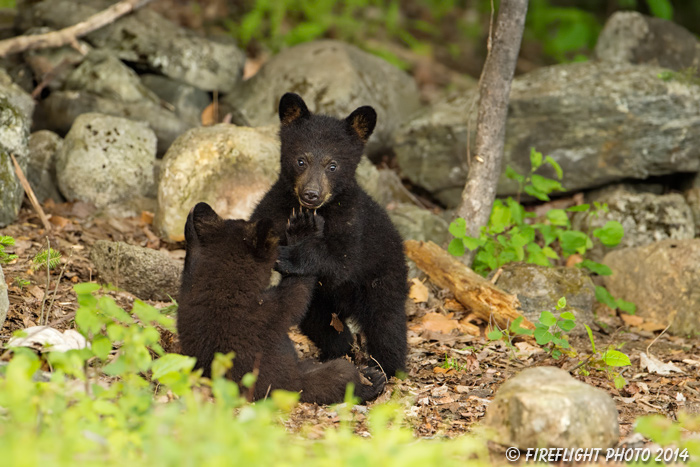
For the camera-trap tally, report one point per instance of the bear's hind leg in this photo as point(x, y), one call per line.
point(325, 383)
point(316, 325)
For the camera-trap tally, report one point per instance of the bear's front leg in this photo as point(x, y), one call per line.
point(304, 232)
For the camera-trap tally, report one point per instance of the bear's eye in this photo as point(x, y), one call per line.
point(301, 163)
point(332, 167)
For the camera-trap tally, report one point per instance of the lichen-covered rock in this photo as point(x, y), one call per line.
point(147, 39)
point(602, 125)
point(146, 273)
point(692, 197)
point(227, 166)
point(334, 78)
point(545, 407)
point(645, 217)
point(41, 169)
point(415, 223)
point(106, 160)
point(55, 63)
point(662, 279)
point(539, 288)
point(187, 100)
point(4, 300)
point(631, 37)
point(16, 107)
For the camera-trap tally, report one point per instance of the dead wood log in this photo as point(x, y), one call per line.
point(477, 294)
point(70, 34)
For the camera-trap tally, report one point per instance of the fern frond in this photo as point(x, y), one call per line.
point(44, 258)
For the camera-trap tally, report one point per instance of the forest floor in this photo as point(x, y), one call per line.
point(452, 376)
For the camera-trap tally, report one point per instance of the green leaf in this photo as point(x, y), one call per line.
point(547, 318)
point(556, 354)
point(86, 288)
point(546, 185)
point(519, 240)
point(172, 363)
point(590, 336)
point(535, 159)
point(517, 211)
point(619, 382)
point(572, 241)
point(596, 268)
point(108, 306)
point(101, 346)
point(513, 175)
point(604, 297)
point(87, 321)
point(473, 243)
point(458, 227)
point(579, 208)
point(532, 191)
point(561, 304)
point(494, 335)
point(615, 358)
point(558, 217)
point(500, 218)
point(542, 335)
point(610, 234)
point(627, 307)
point(515, 328)
point(661, 8)
point(549, 232)
point(456, 247)
point(248, 380)
point(566, 325)
point(555, 165)
point(568, 315)
point(549, 253)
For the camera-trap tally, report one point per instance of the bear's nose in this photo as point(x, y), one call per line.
point(310, 196)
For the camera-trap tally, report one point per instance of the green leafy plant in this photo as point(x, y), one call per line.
point(4, 242)
point(453, 364)
point(511, 235)
point(666, 432)
point(48, 258)
point(605, 297)
point(21, 283)
point(606, 361)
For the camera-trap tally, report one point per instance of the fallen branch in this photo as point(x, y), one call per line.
point(71, 33)
point(477, 294)
point(30, 194)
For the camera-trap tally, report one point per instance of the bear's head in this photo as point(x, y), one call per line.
point(320, 153)
point(223, 248)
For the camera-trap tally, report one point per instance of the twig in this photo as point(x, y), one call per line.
point(657, 338)
point(380, 367)
point(48, 280)
point(71, 33)
point(50, 76)
point(30, 194)
point(58, 281)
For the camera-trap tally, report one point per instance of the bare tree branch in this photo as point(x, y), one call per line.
point(494, 90)
point(71, 33)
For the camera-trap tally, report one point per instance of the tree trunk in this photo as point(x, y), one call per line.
point(494, 91)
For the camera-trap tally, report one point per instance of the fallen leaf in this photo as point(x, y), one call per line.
point(59, 221)
point(573, 260)
point(651, 326)
point(51, 339)
point(654, 365)
point(632, 320)
point(527, 348)
point(438, 322)
point(337, 323)
point(453, 305)
point(147, 217)
point(210, 114)
point(444, 371)
point(418, 292)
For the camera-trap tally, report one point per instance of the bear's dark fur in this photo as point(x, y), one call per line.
point(224, 307)
point(359, 260)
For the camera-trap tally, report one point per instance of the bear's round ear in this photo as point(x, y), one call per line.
point(199, 219)
point(362, 122)
point(292, 108)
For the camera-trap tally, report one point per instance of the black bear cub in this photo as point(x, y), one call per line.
point(359, 260)
point(225, 306)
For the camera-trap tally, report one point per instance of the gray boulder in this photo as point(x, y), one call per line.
point(599, 120)
point(227, 166)
point(629, 36)
point(106, 160)
point(663, 280)
point(4, 300)
point(54, 63)
point(416, 223)
point(148, 274)
point(545, 407)
point(61, 109)
point(692, 197)
point(147, 39)
point(645, 217)
point(334, 78)
point(187, 100)
point(539, 288)
point(41, 170)
point(16, 107)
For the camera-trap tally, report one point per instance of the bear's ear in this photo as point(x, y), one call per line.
point(292, 108)
point(264, 238)
point(362, 122)
point(200, 218)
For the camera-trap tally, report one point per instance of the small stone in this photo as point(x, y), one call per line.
point(544, 407)
point(148, 274)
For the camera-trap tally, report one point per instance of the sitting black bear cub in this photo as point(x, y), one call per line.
point(224, 307)
point(359, 259)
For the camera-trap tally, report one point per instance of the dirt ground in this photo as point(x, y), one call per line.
point(440, 400)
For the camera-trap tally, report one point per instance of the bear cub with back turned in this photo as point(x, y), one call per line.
point(359, 259)
point(225, 306)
